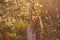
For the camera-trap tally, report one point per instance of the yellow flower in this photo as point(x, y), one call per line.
point(7, 0)
point(0, 18)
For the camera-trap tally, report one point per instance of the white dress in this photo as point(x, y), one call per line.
point(30, 35)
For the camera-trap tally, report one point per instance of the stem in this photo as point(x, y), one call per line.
point(41, 23)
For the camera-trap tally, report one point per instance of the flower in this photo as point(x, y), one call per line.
point(6, 33)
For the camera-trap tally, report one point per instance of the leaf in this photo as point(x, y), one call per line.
point(12, 34)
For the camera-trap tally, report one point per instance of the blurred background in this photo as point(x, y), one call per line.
point(41, 16)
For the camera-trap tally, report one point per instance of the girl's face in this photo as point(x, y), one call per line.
point(34, 18)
